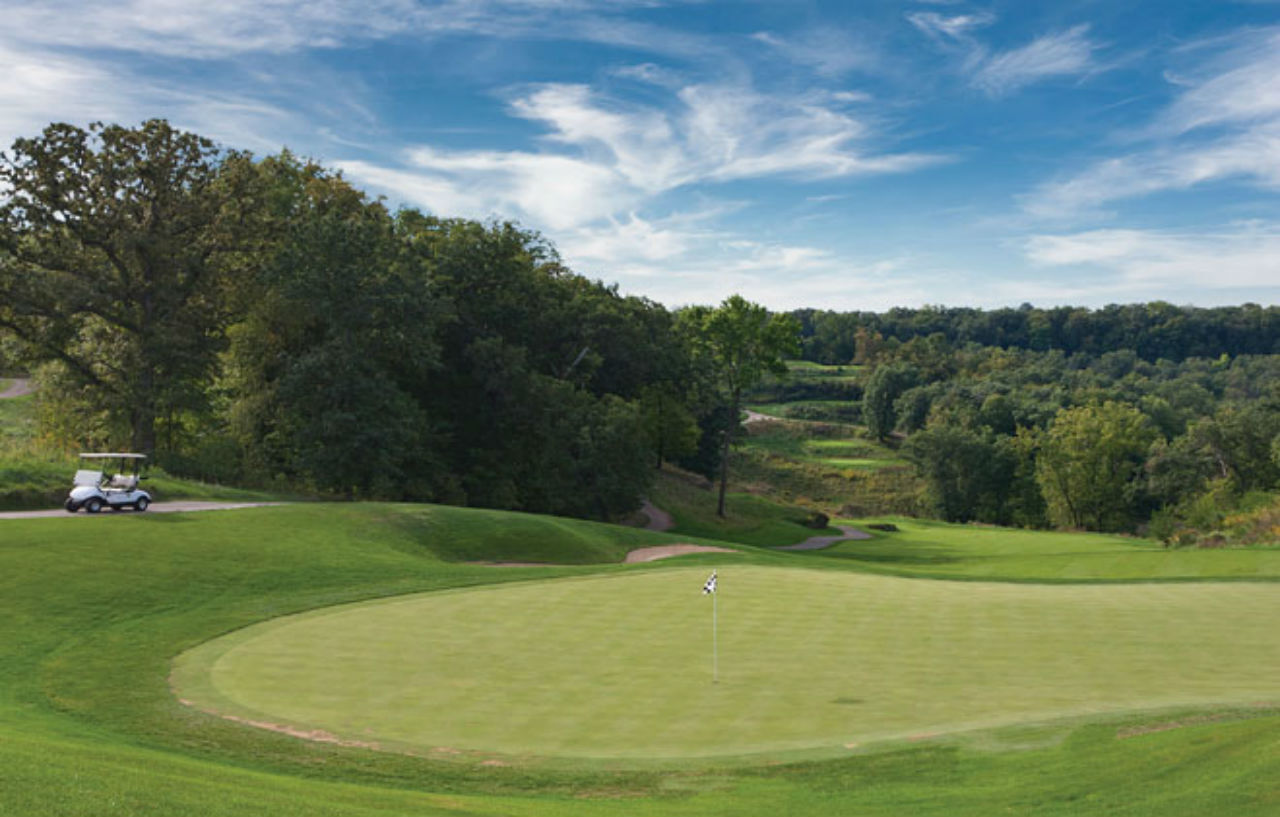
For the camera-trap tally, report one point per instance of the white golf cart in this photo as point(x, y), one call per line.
point(108, 481)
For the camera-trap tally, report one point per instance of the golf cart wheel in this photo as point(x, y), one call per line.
point(71, 507)
point(141, 504)
point(93, 505)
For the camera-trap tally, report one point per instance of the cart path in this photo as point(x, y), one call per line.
point(155, 507)
point(847, 533)
point(659, 519)
point(18, 387)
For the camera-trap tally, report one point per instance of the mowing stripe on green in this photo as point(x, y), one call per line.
point(620, 667)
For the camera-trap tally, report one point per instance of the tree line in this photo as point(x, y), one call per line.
point(1109, 442)
point(263, 321)
point(1152, 331)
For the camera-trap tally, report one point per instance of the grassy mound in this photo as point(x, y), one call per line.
point(749, 519)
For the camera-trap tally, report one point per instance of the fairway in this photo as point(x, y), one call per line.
point(619, 667)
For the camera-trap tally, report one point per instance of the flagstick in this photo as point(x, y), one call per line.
point(715, 651)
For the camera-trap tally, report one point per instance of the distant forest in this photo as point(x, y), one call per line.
point(1148, 418)
point(1152, 331)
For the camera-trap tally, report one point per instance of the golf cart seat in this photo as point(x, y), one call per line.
point(125, 482)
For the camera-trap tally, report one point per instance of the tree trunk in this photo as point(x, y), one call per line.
point(142, 415)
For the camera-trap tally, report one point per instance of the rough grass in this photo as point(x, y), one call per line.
point(91, 615)
point(749, 519)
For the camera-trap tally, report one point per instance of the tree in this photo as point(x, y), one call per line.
point(743, 343)
point(969, 474)
point(886, 385)
point(326, 367)
point(114, 245)
point(1089, 463)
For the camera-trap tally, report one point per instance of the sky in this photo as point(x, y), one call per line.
point(835, 155)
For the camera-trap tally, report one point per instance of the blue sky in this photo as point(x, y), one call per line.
point(845, 155)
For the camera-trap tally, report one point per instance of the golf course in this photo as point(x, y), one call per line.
point(369, 659)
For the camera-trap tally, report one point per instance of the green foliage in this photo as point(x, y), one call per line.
point(742, 343)
point(969, 474)
point(887, 384)
point(114, 246)
point(325, 368)
point(1088, 465)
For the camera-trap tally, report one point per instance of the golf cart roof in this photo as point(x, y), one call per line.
point(113, 456)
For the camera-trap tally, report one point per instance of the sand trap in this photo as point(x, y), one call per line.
point(652, 554)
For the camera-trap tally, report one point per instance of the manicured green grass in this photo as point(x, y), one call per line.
point(937, 549)
point(804, 369)
point(620, 667)
point(838, 447)
point(92, 611)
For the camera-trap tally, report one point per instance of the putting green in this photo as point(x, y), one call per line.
point(620, 666)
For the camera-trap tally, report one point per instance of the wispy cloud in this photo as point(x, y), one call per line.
point(1062, 53)
point(1223, 125)
point(682, 260)
point(1147, 261)
point(830, 52)
point(232, 27)
point(606, 157)
point(1066, 53)
point(949, 28)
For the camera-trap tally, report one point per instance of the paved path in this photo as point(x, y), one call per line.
point(659, 519)
point(847, 533)
point(756, 417)
point(18, 387)
point(156, 507)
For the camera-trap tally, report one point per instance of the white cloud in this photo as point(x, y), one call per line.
point(39, 88)
point(955, 27)
point(1148, 262)
point(550, 191)
point(1066, 53)
point(228, 28)
point(829, 52)
point(1223, 125)
point(1253, 156)
point(1241, 88)
point(606, 157)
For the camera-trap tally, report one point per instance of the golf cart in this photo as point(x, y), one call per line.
point(108, 481)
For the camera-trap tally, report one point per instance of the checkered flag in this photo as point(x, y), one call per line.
point(710, 586)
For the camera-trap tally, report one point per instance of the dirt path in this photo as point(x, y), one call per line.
point(156, 507)
point(18, 387)
point(847, 533)
point(659, 519)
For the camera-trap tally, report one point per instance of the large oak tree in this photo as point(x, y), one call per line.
point(114, 245)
